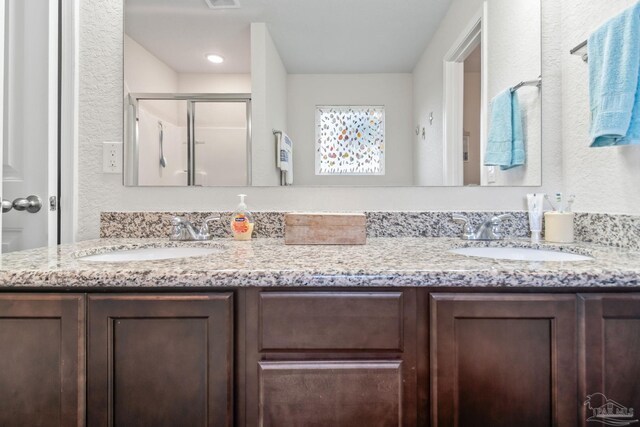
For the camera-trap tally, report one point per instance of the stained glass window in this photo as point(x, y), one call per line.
point(349, 140)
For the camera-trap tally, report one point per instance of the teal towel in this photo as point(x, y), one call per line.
point(505, 147)
point(614, 80)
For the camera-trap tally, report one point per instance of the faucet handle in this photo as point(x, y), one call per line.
point(460, 218)
point(203, 233)
point(467, 229)
point(503, 217)
point(178, 221)
point(178, 228)
point(496, 224)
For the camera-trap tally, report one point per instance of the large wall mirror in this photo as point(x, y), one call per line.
point(353, 93)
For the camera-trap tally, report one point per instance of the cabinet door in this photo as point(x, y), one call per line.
point(42, 360)
point(157, 360)
point(503, 360)
point(609, 351)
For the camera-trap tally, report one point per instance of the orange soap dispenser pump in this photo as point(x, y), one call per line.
point(242, 221)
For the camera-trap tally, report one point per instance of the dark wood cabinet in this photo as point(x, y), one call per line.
point(42, 360)
point(609, 354)
point(310, 357)
point(333, 358)
point(503, 360)
point(160, 360)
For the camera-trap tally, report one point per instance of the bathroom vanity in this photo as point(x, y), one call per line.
point(253, 335)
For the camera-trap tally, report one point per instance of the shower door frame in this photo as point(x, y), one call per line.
point(131, 148)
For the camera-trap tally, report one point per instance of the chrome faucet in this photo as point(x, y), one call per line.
point(183, 230)
point(490, 229)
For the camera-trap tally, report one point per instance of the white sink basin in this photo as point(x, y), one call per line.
point(149, 254)
point(520, 254)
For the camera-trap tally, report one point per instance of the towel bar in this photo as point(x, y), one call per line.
point(575, 50)
point(537, 82)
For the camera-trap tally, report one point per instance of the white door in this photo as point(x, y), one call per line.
point(29, 123)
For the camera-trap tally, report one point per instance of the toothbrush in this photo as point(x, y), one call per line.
point(548, 199)
point(572, 197)
point(559, 202)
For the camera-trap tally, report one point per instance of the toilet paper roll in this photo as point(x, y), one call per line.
point(558, 227)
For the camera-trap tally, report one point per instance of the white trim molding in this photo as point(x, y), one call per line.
point(68, 199)
point(2, 53)
point(52, 121)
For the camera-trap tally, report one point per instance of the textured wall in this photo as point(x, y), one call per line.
point(603, 179)
point(100, 120)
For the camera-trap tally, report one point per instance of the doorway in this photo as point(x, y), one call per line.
point(464, 95)
point(472, 110)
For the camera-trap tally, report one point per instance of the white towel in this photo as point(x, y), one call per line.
point(285, 158)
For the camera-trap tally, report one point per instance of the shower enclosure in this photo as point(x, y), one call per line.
point(178, 139)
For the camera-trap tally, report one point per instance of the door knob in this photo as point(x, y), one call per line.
point(6, 206)
point(31, 204)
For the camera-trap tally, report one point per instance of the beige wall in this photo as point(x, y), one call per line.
point(428, 78)
point(393, 91)
point(269, 105)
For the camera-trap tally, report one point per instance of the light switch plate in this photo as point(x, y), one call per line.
point(491, 175)
point(112, 157)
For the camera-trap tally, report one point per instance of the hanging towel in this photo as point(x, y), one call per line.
point(285, 157)
point(505, 147)
point(614, 81)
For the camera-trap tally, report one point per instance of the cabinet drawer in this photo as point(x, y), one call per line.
point(332, 393)
point(364, 321)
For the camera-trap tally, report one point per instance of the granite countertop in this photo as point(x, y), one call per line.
point(269, 262)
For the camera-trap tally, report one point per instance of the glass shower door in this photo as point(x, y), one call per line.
point(161, 157)
point(222, 151)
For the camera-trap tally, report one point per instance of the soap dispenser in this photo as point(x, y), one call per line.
point(242, 221)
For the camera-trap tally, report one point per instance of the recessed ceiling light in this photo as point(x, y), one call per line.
point(216, 59)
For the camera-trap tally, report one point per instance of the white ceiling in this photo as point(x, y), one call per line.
point(322, 36)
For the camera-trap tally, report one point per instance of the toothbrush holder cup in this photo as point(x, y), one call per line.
point(558, 227)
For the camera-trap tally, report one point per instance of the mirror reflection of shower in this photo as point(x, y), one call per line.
point(189, 139)
point(163, 160)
